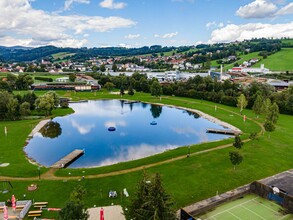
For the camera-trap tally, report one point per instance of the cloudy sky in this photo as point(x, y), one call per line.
point(136, 23)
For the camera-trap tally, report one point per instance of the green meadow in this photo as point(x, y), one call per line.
point(280, 61)
point(187, 179)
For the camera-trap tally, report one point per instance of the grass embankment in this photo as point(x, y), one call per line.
point(280, 61)
point(188, 180)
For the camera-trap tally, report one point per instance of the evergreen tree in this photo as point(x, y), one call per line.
point(74, 208)
point(151, 202)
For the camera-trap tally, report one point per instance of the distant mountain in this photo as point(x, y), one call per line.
point(17, 48)
point(22, 54)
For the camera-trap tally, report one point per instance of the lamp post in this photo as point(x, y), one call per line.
point(39, 170)
point(188, 154)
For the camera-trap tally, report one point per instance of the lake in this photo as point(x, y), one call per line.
point(141, 130)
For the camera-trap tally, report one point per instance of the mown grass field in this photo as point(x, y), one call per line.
point(188, 180)
point(280, 61)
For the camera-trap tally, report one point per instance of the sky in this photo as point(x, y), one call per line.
point(137, 23)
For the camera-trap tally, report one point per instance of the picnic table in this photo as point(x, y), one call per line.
point(35, 212)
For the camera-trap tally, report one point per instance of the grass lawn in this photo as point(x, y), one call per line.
point(280, 61)
point(188, 179)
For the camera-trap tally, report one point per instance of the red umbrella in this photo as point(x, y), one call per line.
point(5, 213)
point(13, 201)
point(101, 214)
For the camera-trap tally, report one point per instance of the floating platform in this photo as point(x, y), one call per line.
point(222, 131)
point(111, 129)
point(68, 159)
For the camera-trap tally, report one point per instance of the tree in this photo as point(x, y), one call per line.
point(103, 68)
point(156, 89)
point(74, 211)
point(45, 103)
point(130, 90)
point(12, 108)
point(74, 208)
point(272, 116)
point(72, 77)
point(78, 194)
point(114, 67)
point(24, 109)
point(109, 86)
point(122, 91)
point(237, 142)
point(273, 113)
point(258, 106)
point(151, 201)
point(241, 102)
point(236, 158)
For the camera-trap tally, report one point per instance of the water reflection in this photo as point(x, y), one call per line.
point(135, 152)
point(51, 130)
point(133, 138)
point(156, 110)
point(82, 129)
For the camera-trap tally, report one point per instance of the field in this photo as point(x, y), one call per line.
point(243, 58)
point(249, 207)
point(60, 56)
point(280, 61)
point(207, 169)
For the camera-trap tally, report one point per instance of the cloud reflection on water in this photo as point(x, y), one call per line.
point(201, 134)
point(82, 129)
point(93, 109)
point(135, 152)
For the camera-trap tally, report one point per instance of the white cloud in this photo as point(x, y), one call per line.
point(288, 9)
point(110, 4)
point(265, 8)
point(168, 35)
point(257, 9)
point(132, 36)
point(31, 27)
point(213, 24)
point(68, 3)
point(233, 32)
point(125, 45)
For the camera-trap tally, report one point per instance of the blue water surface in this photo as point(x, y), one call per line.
point(135, 137)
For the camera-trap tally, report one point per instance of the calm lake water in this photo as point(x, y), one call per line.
point(133, 138)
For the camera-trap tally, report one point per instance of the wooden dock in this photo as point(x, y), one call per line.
point(222, 131)
point(68, 159)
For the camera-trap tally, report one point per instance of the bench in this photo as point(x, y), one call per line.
point(19, 206)
point(34, 215)
point(35, 212)
point(40, 206)
point(40, 203)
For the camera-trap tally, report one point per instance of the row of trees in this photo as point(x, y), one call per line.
point(14, 82)
point(205, 88)
point(13, 107)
